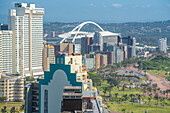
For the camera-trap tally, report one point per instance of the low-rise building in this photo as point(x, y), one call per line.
point(11, 87)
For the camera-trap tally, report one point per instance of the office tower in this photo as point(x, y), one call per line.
point(162, 45)
point(66, 47)
point(110, 57)
point(26, 22)
point(3, 27)
point(89, 63)
point(97, 61)
point(103, 60)
point(123, 47)
point(117, 55)
point(48, 56)
point(77, 48)
point(105, 37)
point(12, 87)
point(96, 48)
point(52, 33)
point(86, 42)
point(66, 85)
point(121, 55)
point(6, 51)
point(31, 96)
point(131, 46)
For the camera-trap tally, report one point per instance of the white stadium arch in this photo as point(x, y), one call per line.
point(77, 29)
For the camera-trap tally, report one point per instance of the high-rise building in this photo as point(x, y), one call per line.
point(110, 57)
point(48, 56)
point(162, 45)
point(103, 60)
point(66, 47)
point(97, 61)
point(12, 87)
point(77, 48)
point(6, 51)
point(3, 27)
point(89, 63)
point(26, 22)
point(105, 37)
point(31, 97)
point(86, 42)
point(131, 46)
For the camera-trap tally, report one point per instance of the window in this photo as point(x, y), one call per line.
point(71, 60)
point(46, 101)
point(61, 60)
point(57, 60)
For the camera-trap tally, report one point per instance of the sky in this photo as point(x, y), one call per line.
point(106, 11)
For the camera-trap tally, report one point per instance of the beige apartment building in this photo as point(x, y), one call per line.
point(11, 87)
point(48, 57)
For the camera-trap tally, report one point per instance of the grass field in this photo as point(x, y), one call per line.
point(137, 108)
point(159, 73)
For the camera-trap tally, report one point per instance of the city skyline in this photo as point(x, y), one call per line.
point(98, 11)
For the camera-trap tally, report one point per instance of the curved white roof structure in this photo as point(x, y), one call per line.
point(76, 33)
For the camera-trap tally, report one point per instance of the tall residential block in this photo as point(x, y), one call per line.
point(6, 51)
point(66, 47)
point(97, 61)
point(131, 45)
point(12, 87)
point(110, 57)
point(103, 60)
point(48, 56)
point(26, 22)
point(162, 45)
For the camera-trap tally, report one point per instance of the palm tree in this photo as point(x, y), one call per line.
point(149, 99)
point(116, 94)
point(12, 110)
point(131, 95)
point(156, 97)
point(167, 91)
point(4, 110)
point(105, 90)
point(123, 110)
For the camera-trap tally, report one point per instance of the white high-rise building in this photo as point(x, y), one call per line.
point(26, 22)
point(6, 51)
point(162, 45)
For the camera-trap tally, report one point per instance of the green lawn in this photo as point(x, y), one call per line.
point(137, 108)
point(159, 73)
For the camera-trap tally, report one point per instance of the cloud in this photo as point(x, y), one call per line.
point(92, 5)
point(117, 5)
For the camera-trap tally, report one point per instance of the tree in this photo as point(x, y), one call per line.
point(149, 99)
point(105, 89)
point(12, 110)
point(167, 91)
point(131, 95)
point(116, 94)
point(156, 98)
point(123, 110)
point(4, 110)
point(22, 108)
point(3, 98)
point(123, 88)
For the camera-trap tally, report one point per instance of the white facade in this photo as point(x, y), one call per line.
point(6, 51)
point(26, 22)
point(162, 45)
